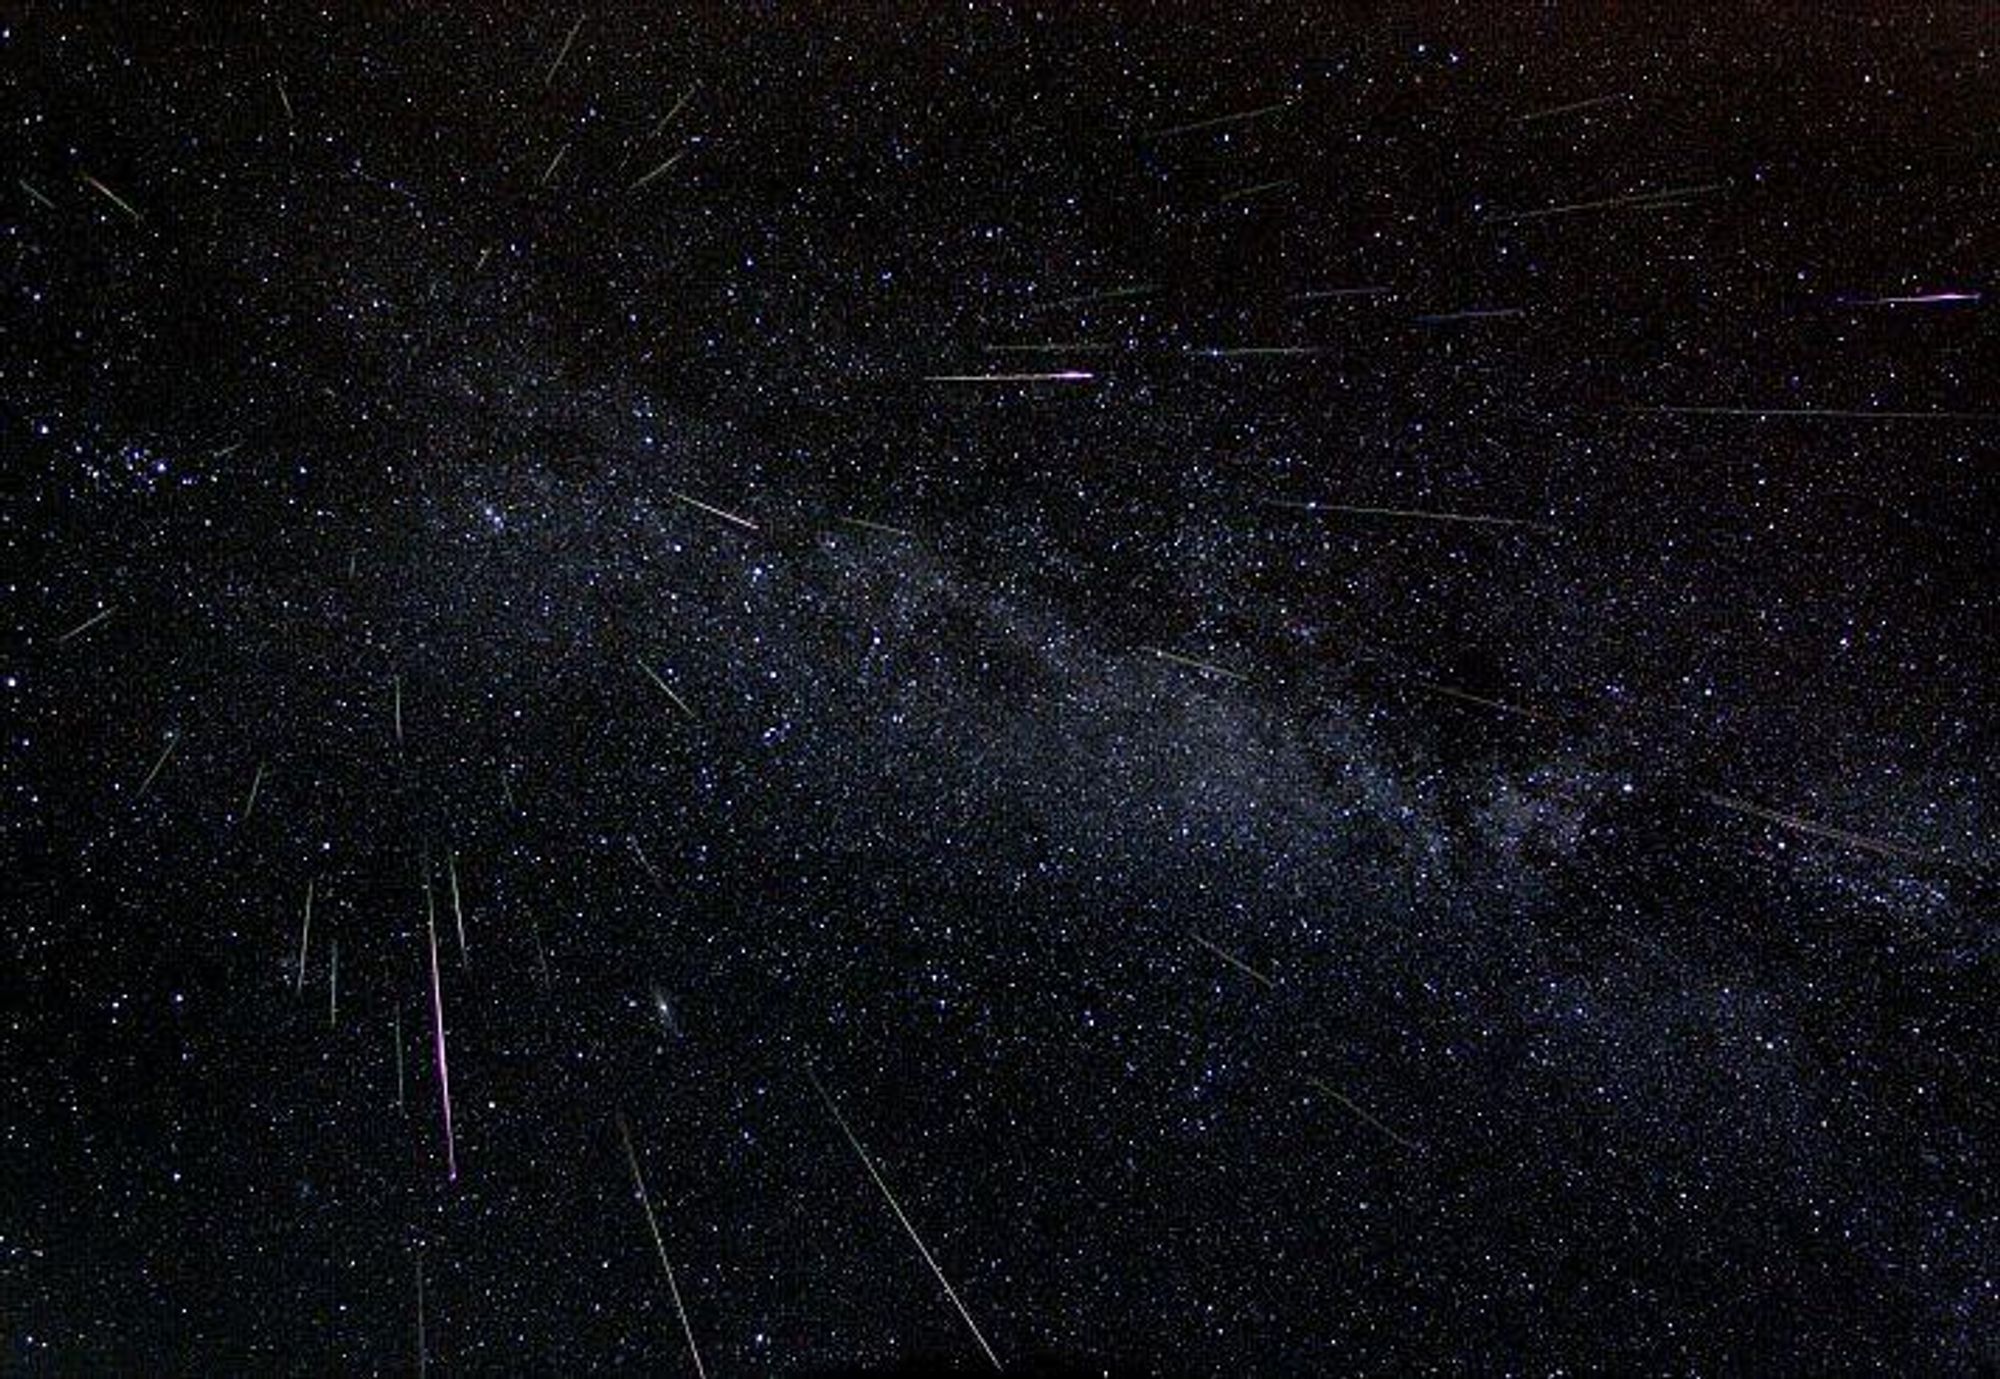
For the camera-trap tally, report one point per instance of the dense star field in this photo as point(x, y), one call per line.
point(825, 688)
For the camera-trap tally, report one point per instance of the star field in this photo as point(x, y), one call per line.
point(1078, 690)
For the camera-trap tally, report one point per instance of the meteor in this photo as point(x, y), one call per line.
point(1217, 121)
point(437, 1017)
point(1064, 376)
point(1342, 1098)
point(653, 1225)
point(556, 66)
point(897, 1207)
point(93, 620)
point(1420, 514)
point(1193, 664)
point(113, 197)
point(1245, 968)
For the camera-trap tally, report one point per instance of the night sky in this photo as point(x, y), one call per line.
point(827, 688)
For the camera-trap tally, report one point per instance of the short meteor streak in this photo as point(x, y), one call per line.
point(866, 525)
point(1245, 968)
point(1064, 376)
point(1256, 351)
point(457, 912)
point(1256, 189)
point(658, 171)
point(437, 1019)
point(556, 66)
point(1918, 299)
point(1453, 692)
point(1217, 121)
point(399, 1055)
point(554, 163)
point(667, 690)
point(333, 986)
point(742, 522)
point(653, 1225)
point(399, 710)
point(897, 1207)
point(35, 192)
point(93, 620)
point(113, 197)
point(678, 106)
point(1053, 347)
point(1417, 514)
point(1344, 1100)
point(1088, 298)
point(284, 100)
point(645, 862)
point(1490, 313)
point(146, 784)
point(1820, 413)
point(305, 938)
point(1838, 835)
point(1573, 107)
point(1637, 200)
point(1189, 661)
point(251, 803)
point(423, 1345)
point(1329, 294)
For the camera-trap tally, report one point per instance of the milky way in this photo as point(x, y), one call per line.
point(1305, 694)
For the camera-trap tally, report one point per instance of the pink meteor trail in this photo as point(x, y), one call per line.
point(437, 1016)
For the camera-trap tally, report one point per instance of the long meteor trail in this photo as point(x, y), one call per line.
point(437, 1019)
point(1636, 200)
point(653, 1224)
point(1206, 666)
point(1827, 831)
point(1217, 121)
point(1819, 413)
point(1062, 376)
point(897, 1207)
point(1423, 514)
point(305, 937)
point(457, 911)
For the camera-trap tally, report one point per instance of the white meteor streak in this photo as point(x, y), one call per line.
point(897, 1207)
point(437, 1018)
point(653, 1224)
point(1062, 376)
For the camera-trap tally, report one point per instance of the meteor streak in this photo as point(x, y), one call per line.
point(667, 690)
point(1217, 121)
point(1838, 835)
point(93, 620)
point(1245, 968)
point(113, 197)
point(173, 741)
point(742, 522)
point(1608, 203)
point(1065, 376)
point(437, 1018)
point(1344, 1100)
point(897, 1207)
point(1422, 514)
point(1193, 664)
point(653, 1225)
